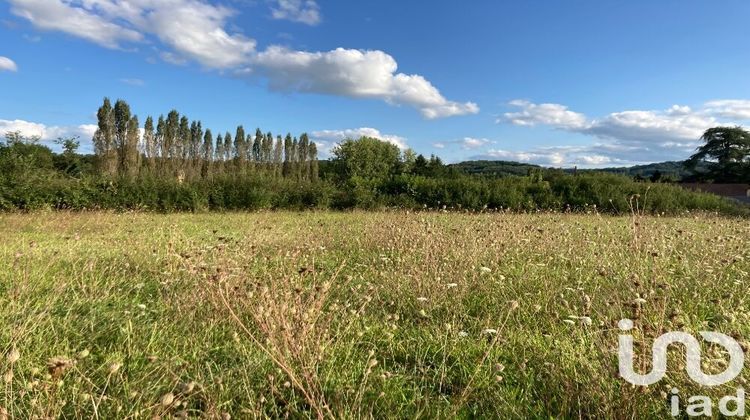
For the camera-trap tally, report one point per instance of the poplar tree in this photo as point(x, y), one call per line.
point(132, 154)
point(240, 148)
point(171, 129)
point(304, 143)
point(257, 145)
point(313, 153)
point(162, 146)
point(207, 154)
point(278, 152)
point(287, 168)
point(184, 141)
point(227, 149)
point(219, 154)
point(104, 140)
point(149, 144)
point(122, 121)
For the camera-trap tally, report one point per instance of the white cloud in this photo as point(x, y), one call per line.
point(195, 30)
point(473, 143)
point(730, 108)
point(303, 11)
point(47, 133)
point(133, 82)
point(627, 137)
point(331, 137)
point(6, 64)
point(357, 74)
point(555, 115)
point(535, 157)
point(467, 143)
point(77, 21)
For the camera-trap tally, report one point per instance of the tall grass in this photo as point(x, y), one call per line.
point(351, 315)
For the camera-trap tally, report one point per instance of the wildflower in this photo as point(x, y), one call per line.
point(422, 299)
point(498, 378)
point(569, 321)
point(114, 367)
point(485, 269)
point(639, 301)
point(56, 366)
point(463, 334)
point(187, 388)
point(167, 399)
point(586, 321)
point(499, 367)
point(451, 285)
point(490, 331)
point(13, 356)
point(142, 307)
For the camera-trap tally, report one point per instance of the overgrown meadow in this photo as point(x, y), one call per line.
point(349, 315)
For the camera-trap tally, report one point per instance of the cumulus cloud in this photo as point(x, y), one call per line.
point(466, 143)
point(328, 138)
point(555, 115)
point(195, 30)
point(357, 74)
point(626, 137)
point(6, 64)
point(46, 133)
point(623, 138)
point(730, 108)
point(303, 11)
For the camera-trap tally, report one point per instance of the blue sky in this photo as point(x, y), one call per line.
point(559, 83)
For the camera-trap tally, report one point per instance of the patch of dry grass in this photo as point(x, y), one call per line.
point(355, 314)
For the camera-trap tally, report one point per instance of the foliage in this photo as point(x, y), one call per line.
point(727, 150)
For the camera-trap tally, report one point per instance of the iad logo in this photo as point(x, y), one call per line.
point(699, 405)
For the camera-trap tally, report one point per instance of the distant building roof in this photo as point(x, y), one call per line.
point(725, 190)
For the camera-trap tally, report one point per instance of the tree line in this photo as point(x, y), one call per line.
point(176, 147)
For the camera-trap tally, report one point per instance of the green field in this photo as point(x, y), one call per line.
point(351, 315)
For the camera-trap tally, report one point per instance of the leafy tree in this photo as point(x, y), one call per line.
point(132, 159)
point(104, 140)
point(207, 154)
point(240, 147)
point(727, 149)
point(366, 158)
point(219, 154)
point(313, 151)
point(287, 168)
point(257, 146)
point(149, 144)
point(122, 138)
point(278, 153)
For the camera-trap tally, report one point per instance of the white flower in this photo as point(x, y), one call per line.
point(463, 334)
point(422, 299)
point(640, 301)
point(451, 285)
point(586, 321)
point(141, 306)
point(485, 269)
point(490, 331)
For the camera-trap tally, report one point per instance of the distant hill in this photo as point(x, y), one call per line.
point(498, 168)
point(672, 170)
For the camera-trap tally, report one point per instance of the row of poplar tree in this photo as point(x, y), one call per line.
point(177, 147)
